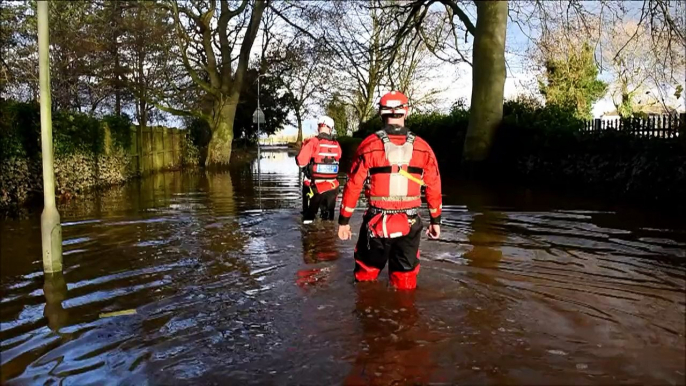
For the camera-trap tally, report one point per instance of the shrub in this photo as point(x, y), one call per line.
point(444, 132)
point(71, 132)
point(75, 132)
point(120, 127)
point(19, 129)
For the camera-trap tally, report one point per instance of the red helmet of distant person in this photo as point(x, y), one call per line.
point(394, 103)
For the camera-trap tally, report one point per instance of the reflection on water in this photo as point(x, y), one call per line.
point(55, 291)
point(230, 288)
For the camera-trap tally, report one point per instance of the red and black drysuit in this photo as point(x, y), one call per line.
point(393, 164)
point(319, 158)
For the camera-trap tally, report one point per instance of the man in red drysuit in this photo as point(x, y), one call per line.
point(395, 164)
point(318, 158)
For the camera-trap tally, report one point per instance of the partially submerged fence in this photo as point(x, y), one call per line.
point(658, 126)
point(155, 148)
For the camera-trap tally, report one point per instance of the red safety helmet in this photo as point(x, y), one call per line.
point(394, 103)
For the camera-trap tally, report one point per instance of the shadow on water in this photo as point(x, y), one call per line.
point(226, 286)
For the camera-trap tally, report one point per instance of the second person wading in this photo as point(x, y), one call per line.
point(394, 164)
point(318, 158)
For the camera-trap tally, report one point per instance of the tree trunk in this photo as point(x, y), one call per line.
point(116, 20)
point(219, 148)
point(488, 79)
point(299, 141)
point(142, 103)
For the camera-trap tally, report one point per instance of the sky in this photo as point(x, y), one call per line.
point(521, 78)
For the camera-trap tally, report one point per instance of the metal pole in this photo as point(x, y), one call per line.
point(259, 161)
point(51, 230)
point(258, 121)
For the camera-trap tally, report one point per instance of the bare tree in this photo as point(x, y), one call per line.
point(412, 72)
point(214, 42)
point(305, 70)
point(147, 38)
point(640, 44)
point(357, 34)
point(488, 71)
point(645, 71)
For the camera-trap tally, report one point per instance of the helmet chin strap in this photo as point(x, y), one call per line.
point(395, 129)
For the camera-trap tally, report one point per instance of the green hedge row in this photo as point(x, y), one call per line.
point(72, 132)
point(547, 145)
point(445, 132)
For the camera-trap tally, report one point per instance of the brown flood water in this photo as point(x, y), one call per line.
point(229, 288)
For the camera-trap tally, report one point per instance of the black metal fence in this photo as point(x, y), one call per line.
point(658, 126)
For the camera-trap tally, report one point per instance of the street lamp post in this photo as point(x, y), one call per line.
point(259, 110)
point(51, 230)
point(259, 117)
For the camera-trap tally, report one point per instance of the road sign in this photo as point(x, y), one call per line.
point(258, 116)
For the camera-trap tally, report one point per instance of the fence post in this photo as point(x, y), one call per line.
point(139, 148)
point(165, 163)
point(174, 148)
point(682, 126)
point(597, 123)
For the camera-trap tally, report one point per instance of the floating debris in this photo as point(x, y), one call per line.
point(266, 269)
point(117, 313)
point(557, 352)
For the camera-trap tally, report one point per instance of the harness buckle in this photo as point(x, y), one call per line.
point(397, 168)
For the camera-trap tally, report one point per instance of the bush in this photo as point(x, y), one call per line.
point(77, 133)
point(71, 132)
point(547, 144)
point(120, 127)
point(190, 154)
point(200, 132)
point(19, 129)
point(528, 127)
point(444, 132)
point(88, 152)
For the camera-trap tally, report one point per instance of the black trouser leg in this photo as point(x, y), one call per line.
point(371, 254)
point(306, 199)
point(328, 204)
point(402, 254)
point(312, 209)
point(404, 250)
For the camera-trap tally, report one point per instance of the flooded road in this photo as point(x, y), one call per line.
point(229, 288)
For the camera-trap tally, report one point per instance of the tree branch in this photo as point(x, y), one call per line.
point(184, 55)
point(225, 47)
point(205, 28)
point(246, 46)
point(461, 15)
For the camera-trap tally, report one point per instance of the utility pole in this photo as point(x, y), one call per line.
point(51, 230)
point(258, 117)
point(259, 157)
point(259, 110)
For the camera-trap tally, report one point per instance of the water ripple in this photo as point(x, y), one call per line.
point(228, 287)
